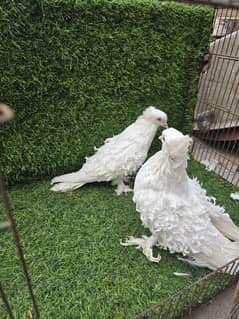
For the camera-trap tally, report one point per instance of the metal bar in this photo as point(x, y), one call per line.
point(234, 268)
point(221, 107)
point(5, 226)
point(234, 301)
point(185, 291)
point(203, 86)
point(176, 306)
point(222, 135)
point(227, 96)
point(6, 114)
point(231, 105)
point(216, 49)
point(221, 46)
point(202, 83)
point(233, 129)
point(232, 164)
point(6, 303)
point(9, 213)
point(225, 57)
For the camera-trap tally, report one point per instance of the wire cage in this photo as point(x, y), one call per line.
point(216, 120)
point(199, 292)
point(216, 144)
point(234, 309)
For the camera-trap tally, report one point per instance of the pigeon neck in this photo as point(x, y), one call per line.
point(147, 131)
point(174, 169)
point(147, 122)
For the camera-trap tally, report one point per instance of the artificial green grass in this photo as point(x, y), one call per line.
point(72, 246)
point(79, 71)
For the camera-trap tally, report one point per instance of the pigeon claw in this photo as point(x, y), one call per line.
point(154, 259)
point(145, 244)
point(132, 241)
point(148, 252)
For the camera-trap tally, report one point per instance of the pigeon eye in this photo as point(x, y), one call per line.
point(159, 119)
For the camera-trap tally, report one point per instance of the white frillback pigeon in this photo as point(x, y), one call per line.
point(118, 157)
point(177, 211)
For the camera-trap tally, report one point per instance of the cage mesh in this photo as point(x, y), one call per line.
point(216, 120)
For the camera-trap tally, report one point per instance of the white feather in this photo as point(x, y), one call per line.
point(121, 155)
point(210, 165)
point(182, 274)
point(234, 196)
point(177, 211)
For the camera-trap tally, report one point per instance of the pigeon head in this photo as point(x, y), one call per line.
point(156, 116)
point(175, 145)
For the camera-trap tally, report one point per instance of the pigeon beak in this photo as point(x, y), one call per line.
point(160, 137)
point(165, 125)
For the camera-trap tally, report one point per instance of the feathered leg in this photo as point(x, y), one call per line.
point(146, 244)
point(121, 187)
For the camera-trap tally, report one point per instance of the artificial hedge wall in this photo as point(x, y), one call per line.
point(77, 72)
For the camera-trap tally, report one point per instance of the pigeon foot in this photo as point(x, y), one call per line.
point(145, 243)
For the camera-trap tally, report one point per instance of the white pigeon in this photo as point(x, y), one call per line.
point(177, 211)
point(118, 157)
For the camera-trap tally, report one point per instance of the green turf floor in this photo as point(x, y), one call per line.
point(72, 246)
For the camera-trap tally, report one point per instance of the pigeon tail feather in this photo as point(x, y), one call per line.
point(76, 177)
point(66, 187)
point(226, 226)
point(216, 259)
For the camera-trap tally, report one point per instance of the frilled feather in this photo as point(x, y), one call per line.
point(177, 210)
point(118, 157)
